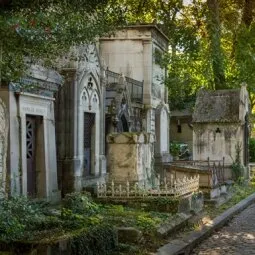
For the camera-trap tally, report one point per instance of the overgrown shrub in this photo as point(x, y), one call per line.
point(73, 220)
point(147, 223)
point(17, 215)
point(80, 203)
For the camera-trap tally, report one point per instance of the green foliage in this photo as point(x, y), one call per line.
point(99, 240)
point(17, 216)
point(252, 149)
point(162, 204)
point(80, 219)
point(44, 30)
point(80, 203)
point(147, 223)
point(71, 220)
point(175, 149)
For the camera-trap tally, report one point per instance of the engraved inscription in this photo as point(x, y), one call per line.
point(33, 110)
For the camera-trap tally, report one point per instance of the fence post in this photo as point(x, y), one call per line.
point(120, 189)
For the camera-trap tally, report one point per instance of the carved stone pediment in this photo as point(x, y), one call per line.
point(84, 59)
point(89, 59)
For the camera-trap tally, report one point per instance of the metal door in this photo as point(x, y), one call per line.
point(30, 144)
point(89, 124)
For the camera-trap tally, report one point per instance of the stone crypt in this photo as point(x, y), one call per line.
point(31, 155)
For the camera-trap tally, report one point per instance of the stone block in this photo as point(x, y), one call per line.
point(223, 189)
point(197, 202)
point(129, 157)
point(215, 192)
point(173, 224)
point(185, 205)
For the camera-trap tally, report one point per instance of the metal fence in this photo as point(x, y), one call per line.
point(127, 190)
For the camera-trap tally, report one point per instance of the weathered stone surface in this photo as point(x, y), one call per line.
point(220, 124)
point(129, 157)
point(173, 224)
point(129, 235)
point(3, 145)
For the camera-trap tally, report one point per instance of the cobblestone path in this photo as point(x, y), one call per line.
point(238, 237)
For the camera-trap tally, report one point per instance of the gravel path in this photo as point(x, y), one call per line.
point(238, 237)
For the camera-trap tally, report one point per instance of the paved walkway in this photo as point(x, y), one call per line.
point(237, 238)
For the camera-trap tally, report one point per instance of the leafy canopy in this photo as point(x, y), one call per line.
point(45, 29)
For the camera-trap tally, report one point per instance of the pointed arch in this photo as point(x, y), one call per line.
point(162, 129)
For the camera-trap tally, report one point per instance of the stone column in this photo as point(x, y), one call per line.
point(67, 114)
point(102, 165)
point(147, 72)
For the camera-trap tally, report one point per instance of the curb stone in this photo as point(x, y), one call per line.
point(173, 224)
point(185, 245)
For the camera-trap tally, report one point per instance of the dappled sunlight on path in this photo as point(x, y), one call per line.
point(237, 238)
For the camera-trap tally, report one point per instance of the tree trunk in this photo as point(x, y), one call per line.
point(247, 16)
point(213, 26)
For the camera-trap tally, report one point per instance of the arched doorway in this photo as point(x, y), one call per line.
point(89, 127)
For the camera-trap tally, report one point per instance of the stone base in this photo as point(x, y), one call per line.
point(55, 197)
point(68, 182)
point(218, 195)
point(130, 157)
point(193, 203)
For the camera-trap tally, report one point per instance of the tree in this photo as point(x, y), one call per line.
point(212, 43)
point(214, 31)
point(245, 48)
point(45, 29)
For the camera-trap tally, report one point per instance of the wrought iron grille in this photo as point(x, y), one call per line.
point(30, 137)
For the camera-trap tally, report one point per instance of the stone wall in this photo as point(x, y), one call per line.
point(217, 141)
point(130, 157)
point(4, 126)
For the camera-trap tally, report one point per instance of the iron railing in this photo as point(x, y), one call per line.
point(135, 88)
point(129, 190)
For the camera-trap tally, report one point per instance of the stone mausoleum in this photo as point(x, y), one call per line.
point(136, 52)
point(112, 95)
point(27, 108)
point(220, 125)
point(104, 116)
